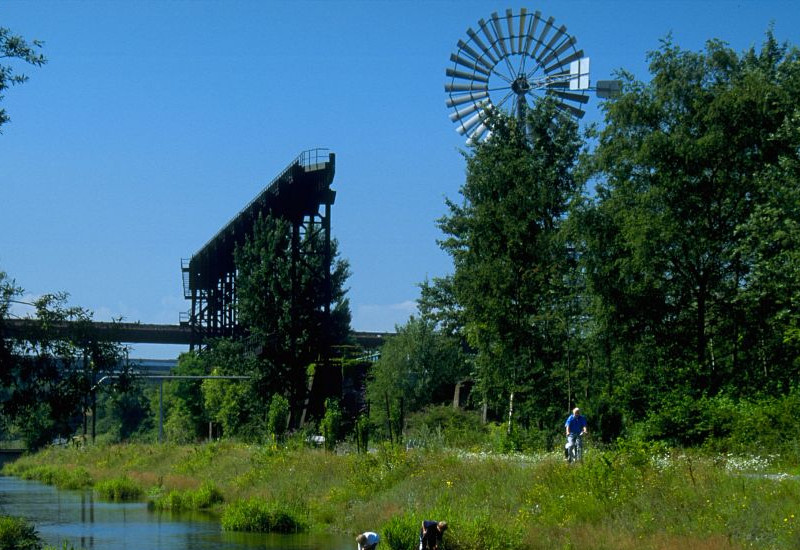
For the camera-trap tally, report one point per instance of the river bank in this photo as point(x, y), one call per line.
point(72, 519)
point(615, 499)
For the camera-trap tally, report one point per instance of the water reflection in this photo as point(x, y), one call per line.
point(84, 521)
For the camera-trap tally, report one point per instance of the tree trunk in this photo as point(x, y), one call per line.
point(510, 410)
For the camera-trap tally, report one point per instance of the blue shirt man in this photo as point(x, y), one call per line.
point(575, 426)
point(576, 423)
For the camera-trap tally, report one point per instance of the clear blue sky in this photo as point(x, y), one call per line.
point(155, 122)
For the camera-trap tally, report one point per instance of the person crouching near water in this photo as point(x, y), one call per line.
point(368, 540)
point(431, 534)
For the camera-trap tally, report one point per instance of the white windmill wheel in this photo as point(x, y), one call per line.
point(506, 63)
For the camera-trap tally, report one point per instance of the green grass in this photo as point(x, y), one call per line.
point(633, 497)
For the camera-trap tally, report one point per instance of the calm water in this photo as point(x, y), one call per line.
point(86, 522)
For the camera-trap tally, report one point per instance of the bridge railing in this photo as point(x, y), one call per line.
point(305, 159)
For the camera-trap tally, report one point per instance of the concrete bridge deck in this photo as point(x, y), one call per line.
point(140, 333)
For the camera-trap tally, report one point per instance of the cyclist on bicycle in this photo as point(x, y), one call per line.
point(576, 427)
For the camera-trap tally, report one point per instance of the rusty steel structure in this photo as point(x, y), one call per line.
point(300, 194)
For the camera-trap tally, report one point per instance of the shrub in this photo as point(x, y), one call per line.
point(278, 416)
point(118, 489)
point(258, 516)
point(331, 423)
point(203, 498)
point(401, 532)
point(483, 533)
point(18, 534)
point(445, 425)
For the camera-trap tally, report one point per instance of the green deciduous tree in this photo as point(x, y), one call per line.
point(293, 309)
point(48, 376)
point(127, 412)
point(418, 366)
point(183, 398)
point(511, 262)
point(237, 406)
point(15, 48)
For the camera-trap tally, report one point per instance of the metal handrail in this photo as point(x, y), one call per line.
point(303, 159)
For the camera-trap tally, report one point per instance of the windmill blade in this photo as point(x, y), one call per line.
point(498, 30)
point(477, 133)
point(461, 113)
point(574, 111)
point(523, 15)
point(484, 48)
point(560, 33)
point(540, 41)
point(561, 49)
point(464, 47)
point(465, 87)
point(465, 98)
point(532, 32)
point(466, 125)
point(463, 61)
point(511, 36)
point(580, 98)
point(487, 32)
point(466, 76)
point(561, 62)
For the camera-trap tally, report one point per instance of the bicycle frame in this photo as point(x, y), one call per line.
point(574, 448)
